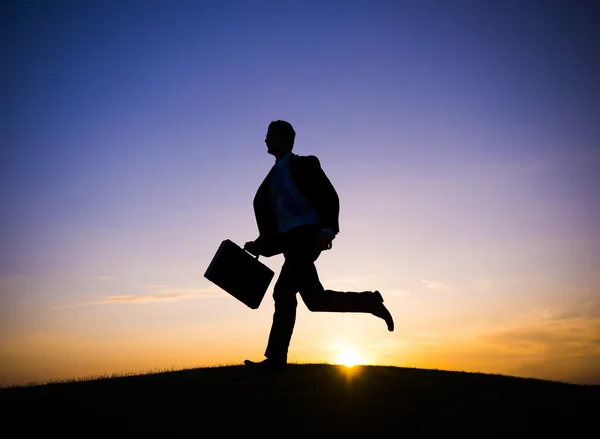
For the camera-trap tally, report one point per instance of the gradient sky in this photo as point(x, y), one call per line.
point(463, 139)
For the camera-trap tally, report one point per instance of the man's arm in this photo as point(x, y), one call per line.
point(265, 244)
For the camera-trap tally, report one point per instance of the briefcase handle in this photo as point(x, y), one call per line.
point(254, 256)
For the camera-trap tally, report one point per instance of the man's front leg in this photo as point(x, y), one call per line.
point(284, 317)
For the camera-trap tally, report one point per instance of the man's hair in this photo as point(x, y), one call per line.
point(286, 131)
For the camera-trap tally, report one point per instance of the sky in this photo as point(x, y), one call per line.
point(463, 139)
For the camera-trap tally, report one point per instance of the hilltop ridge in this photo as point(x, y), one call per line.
point(308, 400)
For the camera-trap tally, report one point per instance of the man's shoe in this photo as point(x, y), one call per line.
point(379, 310)
point(267, 365)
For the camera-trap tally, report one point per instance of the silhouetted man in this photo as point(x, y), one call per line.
point(296, 209)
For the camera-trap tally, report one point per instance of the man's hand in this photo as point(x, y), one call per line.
point(324, 240)
point(252, 247)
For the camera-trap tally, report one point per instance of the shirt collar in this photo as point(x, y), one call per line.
point(284, 159)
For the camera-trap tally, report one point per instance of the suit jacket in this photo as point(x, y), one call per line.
point(313, 184)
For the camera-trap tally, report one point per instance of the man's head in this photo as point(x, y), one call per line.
point(280, 138)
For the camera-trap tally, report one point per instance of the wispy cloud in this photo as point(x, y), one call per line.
point(558, 344)
point(162, 295)
point(435, 285)
point(543, 332)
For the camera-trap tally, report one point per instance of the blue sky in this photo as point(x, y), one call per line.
point(462, 138)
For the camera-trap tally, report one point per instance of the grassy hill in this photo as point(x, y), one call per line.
point(308, 400)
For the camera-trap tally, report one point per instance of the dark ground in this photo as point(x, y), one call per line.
point(308, 400)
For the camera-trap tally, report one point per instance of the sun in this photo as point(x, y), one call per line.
point(348, 357)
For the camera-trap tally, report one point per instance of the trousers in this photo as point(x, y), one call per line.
point(299, 275)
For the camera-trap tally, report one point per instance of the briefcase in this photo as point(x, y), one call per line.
point(240, 274)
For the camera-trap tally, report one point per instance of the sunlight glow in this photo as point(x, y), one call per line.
point(348, 357)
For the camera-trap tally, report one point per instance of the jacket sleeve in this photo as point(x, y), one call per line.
point(265, 220)
point(321, 194)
